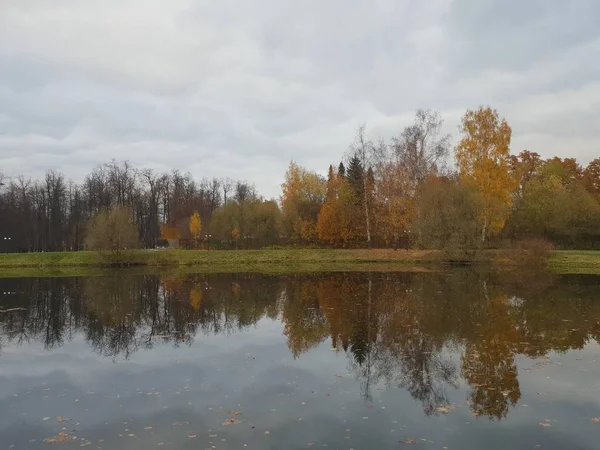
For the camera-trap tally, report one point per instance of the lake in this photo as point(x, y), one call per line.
point(457, 359)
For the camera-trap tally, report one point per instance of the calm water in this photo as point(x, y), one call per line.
point(457, 360)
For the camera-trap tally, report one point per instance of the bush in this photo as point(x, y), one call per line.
point(447, 218)
point(113, 232)
point(530, 251)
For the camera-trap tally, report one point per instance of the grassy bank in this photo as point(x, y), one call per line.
point(270, 261)
point(575, 261)
point(224, 259)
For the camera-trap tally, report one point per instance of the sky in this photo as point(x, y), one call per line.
point(240, 88)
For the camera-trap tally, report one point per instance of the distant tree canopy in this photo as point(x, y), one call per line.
point(380, 193)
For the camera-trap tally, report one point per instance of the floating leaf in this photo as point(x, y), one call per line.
point(59, 438)
point(231, 421)
point(445, 408)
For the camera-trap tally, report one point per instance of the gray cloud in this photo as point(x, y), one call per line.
point(240, 88)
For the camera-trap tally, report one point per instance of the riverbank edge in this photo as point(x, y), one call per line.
point(277, 261)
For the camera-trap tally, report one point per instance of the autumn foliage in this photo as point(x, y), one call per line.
point(401, 192)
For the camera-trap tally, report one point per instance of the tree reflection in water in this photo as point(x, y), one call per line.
point(400, 329)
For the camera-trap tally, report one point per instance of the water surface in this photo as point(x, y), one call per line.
point(457, 360)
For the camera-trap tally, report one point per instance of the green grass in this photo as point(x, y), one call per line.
point(286, 260)
point(229, 258)
point(575, 261)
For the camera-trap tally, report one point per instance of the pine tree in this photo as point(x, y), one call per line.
point(355, 178)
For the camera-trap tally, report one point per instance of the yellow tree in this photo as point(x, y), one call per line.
point(303, 193)
point(483, 159)
point(195, 227)
point(235, 234)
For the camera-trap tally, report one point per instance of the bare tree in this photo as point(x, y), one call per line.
point(420, 149)
point(227, 185)
point(366, 153)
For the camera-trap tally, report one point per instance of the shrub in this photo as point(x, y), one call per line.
point(530, 251)
point(113, 232)
point(448, 219)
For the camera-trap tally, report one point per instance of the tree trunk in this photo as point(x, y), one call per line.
point(367, 210)
point(484, 230)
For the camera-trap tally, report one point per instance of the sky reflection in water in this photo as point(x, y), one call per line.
point(459, 359)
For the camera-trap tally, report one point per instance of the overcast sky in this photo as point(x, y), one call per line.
point(238, 88)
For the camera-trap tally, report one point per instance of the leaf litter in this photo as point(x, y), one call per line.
point(60, 438)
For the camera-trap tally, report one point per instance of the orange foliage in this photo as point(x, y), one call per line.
point(591, 177)
point(167, 232)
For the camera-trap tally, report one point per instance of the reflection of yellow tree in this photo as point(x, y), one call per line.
point(304, 324)
point(488, 363)
point(195, 297)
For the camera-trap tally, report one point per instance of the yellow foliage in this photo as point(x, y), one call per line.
point(195, 225)
point(235, 233)
point(303, 193)
point(195, 297)
point(483, 159)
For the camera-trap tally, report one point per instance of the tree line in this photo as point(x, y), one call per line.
point(401, 192)
point(405, 192)
point(55, 214)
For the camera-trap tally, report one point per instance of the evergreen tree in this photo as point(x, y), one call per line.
point(355, 178)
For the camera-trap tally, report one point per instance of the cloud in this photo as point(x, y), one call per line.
point(240, 88)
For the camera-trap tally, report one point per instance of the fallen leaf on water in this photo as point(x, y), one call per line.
point(232, 411)
point(231, 421)
point(445, 408)
point(339, 376)
point(410, 441)
point(60, 419)
point(59, 438)
point(545, 425)
point(596, 419)
point(191, 436)
point(147, 428)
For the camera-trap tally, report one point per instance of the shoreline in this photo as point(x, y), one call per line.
point(279, 261)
